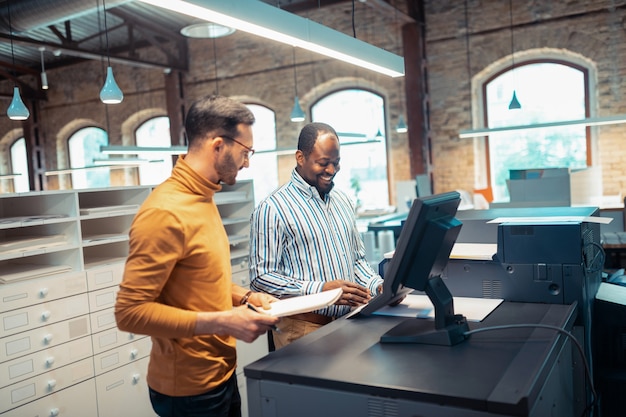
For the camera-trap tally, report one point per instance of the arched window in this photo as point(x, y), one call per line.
point(154, 132)
point(263, 167)
point(84, 147)
point(548, 91)
point(358, 116)
point(19, 165)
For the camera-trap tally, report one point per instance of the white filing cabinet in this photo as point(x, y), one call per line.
point(235, 204)
point(62, 257)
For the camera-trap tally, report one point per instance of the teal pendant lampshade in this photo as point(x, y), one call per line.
point(401, 127)
point(514, 104)
point(297, 114)
point(111, 93)
point(17, 109)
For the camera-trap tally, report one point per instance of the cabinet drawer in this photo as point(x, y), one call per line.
point(241, 278)
point(102, 320)
point(39, 290)
point(45, 360)
point(105, 276)
point(43, 314)
point(124, 391)
point(76, 401)
point(123, 355)
point(101, 299)
point(35, 340)
point(111, 338)
point(34, 388)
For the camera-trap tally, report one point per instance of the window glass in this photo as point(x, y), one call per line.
point(358, 116)
point(547, 92)
point(19, 165)
point(84, 148)
point(155, 133)
point(263, 167)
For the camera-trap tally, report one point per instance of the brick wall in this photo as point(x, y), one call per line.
point(262, 72)
point(585, 28)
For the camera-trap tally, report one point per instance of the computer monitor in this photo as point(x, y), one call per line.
point(421, 254)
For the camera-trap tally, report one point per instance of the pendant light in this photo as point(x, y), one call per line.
point(401, 127)
point(379, 136)
point(514, 104)
point(111, 92)
point(297, 114)
point(44, 76)
point(17, 109)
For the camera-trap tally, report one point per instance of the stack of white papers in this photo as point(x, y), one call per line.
point(303, 304)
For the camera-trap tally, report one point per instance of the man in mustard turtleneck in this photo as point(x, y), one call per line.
point(177, 284)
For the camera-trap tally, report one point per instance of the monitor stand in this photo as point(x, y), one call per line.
point(449, 328)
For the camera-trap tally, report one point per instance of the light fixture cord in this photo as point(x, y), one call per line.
point(217, 88)
point(43, 69)
point(11, 38)
point(295, 77)
point(467, 55)
point(511, 26)
point(353, 25)
point(106, 31)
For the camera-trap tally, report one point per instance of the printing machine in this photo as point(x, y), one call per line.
point(555, 262)
point(552, 262)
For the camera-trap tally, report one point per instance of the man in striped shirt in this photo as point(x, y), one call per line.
point(304, 238)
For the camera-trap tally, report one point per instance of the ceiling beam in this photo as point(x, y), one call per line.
point(93, 55)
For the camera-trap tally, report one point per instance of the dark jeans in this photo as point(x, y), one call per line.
point(222, 401)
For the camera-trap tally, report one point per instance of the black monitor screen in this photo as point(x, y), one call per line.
point(421, 254)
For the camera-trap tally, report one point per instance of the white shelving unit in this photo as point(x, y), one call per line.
point(235, 204)
point(62, 258)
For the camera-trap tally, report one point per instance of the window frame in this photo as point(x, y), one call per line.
point(383, 129)
point(541, 56)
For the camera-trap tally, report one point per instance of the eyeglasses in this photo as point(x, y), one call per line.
point(247, 148)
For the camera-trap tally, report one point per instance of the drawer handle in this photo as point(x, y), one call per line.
point(47, 339)
point(51, 384)
point(134, 353)
point(136, 378)
point(43, 293)
point(54, 412)
point(50, 362)
point(45, 316)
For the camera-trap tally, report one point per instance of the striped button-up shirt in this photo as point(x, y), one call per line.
point(299, 241)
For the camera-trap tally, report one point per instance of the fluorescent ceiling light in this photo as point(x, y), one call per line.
point(79, 169)
point(262, 19)
point(182, 150)
point(135, 150)
point(592, 121)
point(128, 162)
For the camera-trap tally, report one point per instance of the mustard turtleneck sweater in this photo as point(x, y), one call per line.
point(179, 264)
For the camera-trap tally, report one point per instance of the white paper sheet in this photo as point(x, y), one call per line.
point(302, 304)
point(477, 251)
point(419, 305)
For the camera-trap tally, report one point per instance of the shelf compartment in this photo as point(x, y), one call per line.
point(100, 231)
point(99, 255)
point(33, 209)
point(108, 202)
point(30, 241)
point(40, 265)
